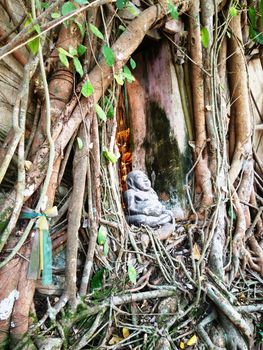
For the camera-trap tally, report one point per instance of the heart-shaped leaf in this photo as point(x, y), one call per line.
point(78, 66)
point(96, 31)
point(110, 156)
point(108, 55)
point(100, 112)
point(205, 37)
point(80, 143)
point(67, 8)
point(132, 273)
point(102, 235)
point(87, 89)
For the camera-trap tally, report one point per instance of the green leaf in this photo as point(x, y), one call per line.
point(3, 225)
point(132, 63)
point(44, 5)
point(81, 28)
point(96, 281)
point(28, 22)
point(63, 59)
point(37, 28)
point(81, 50)
point(121, 4)
point(255, 35)
point(110, 156)
point(205, 37)
point(108, 55)
point(80, 143)
point(108, 107)
point(252, 33)
point(96, 31)
point(228, 34)
point(102, 235)
point(73, 51)
point(127, 74)
point(119, 79)
point(87, 89)
point(261, 11)
point(81, 2)
point(106, 248)
point(122, 28)
point(100, 112)
point(173, 10)
point(78, 66)
point(34, 45)
point(252, 17)
point(41, 5)
point(64, 52)
point(233, 11)
point(232, 214)
point(67, 8)
point(38, 4)
point(132, 273)
point(259, 39)
point(132, 9)
point(55, 15)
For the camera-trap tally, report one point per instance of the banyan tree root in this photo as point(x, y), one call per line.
point(231, 313)
point(203, 175)
point(26, 290)
point(240, 111)
point(8, 295)
point(100, 77)
point(60, 90)
point(79, 112)
point(80, 165)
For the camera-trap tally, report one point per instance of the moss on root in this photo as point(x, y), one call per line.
point(164, 160)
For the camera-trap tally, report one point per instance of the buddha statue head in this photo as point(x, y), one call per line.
point(137, 179)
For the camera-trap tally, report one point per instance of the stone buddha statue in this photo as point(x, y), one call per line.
point(142, 203)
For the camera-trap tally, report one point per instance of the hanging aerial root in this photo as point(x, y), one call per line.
point(93, 204)
point(240, 111)
point(80, 166)
point(203, 175)
point(238, 242)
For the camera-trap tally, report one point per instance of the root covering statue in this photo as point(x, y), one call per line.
point(142, 203)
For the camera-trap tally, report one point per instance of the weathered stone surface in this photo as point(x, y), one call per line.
point(142, 204)
point(168, 306)
point(49, 344)
point(174, 26)
point(163, 344)
point(129, 12)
